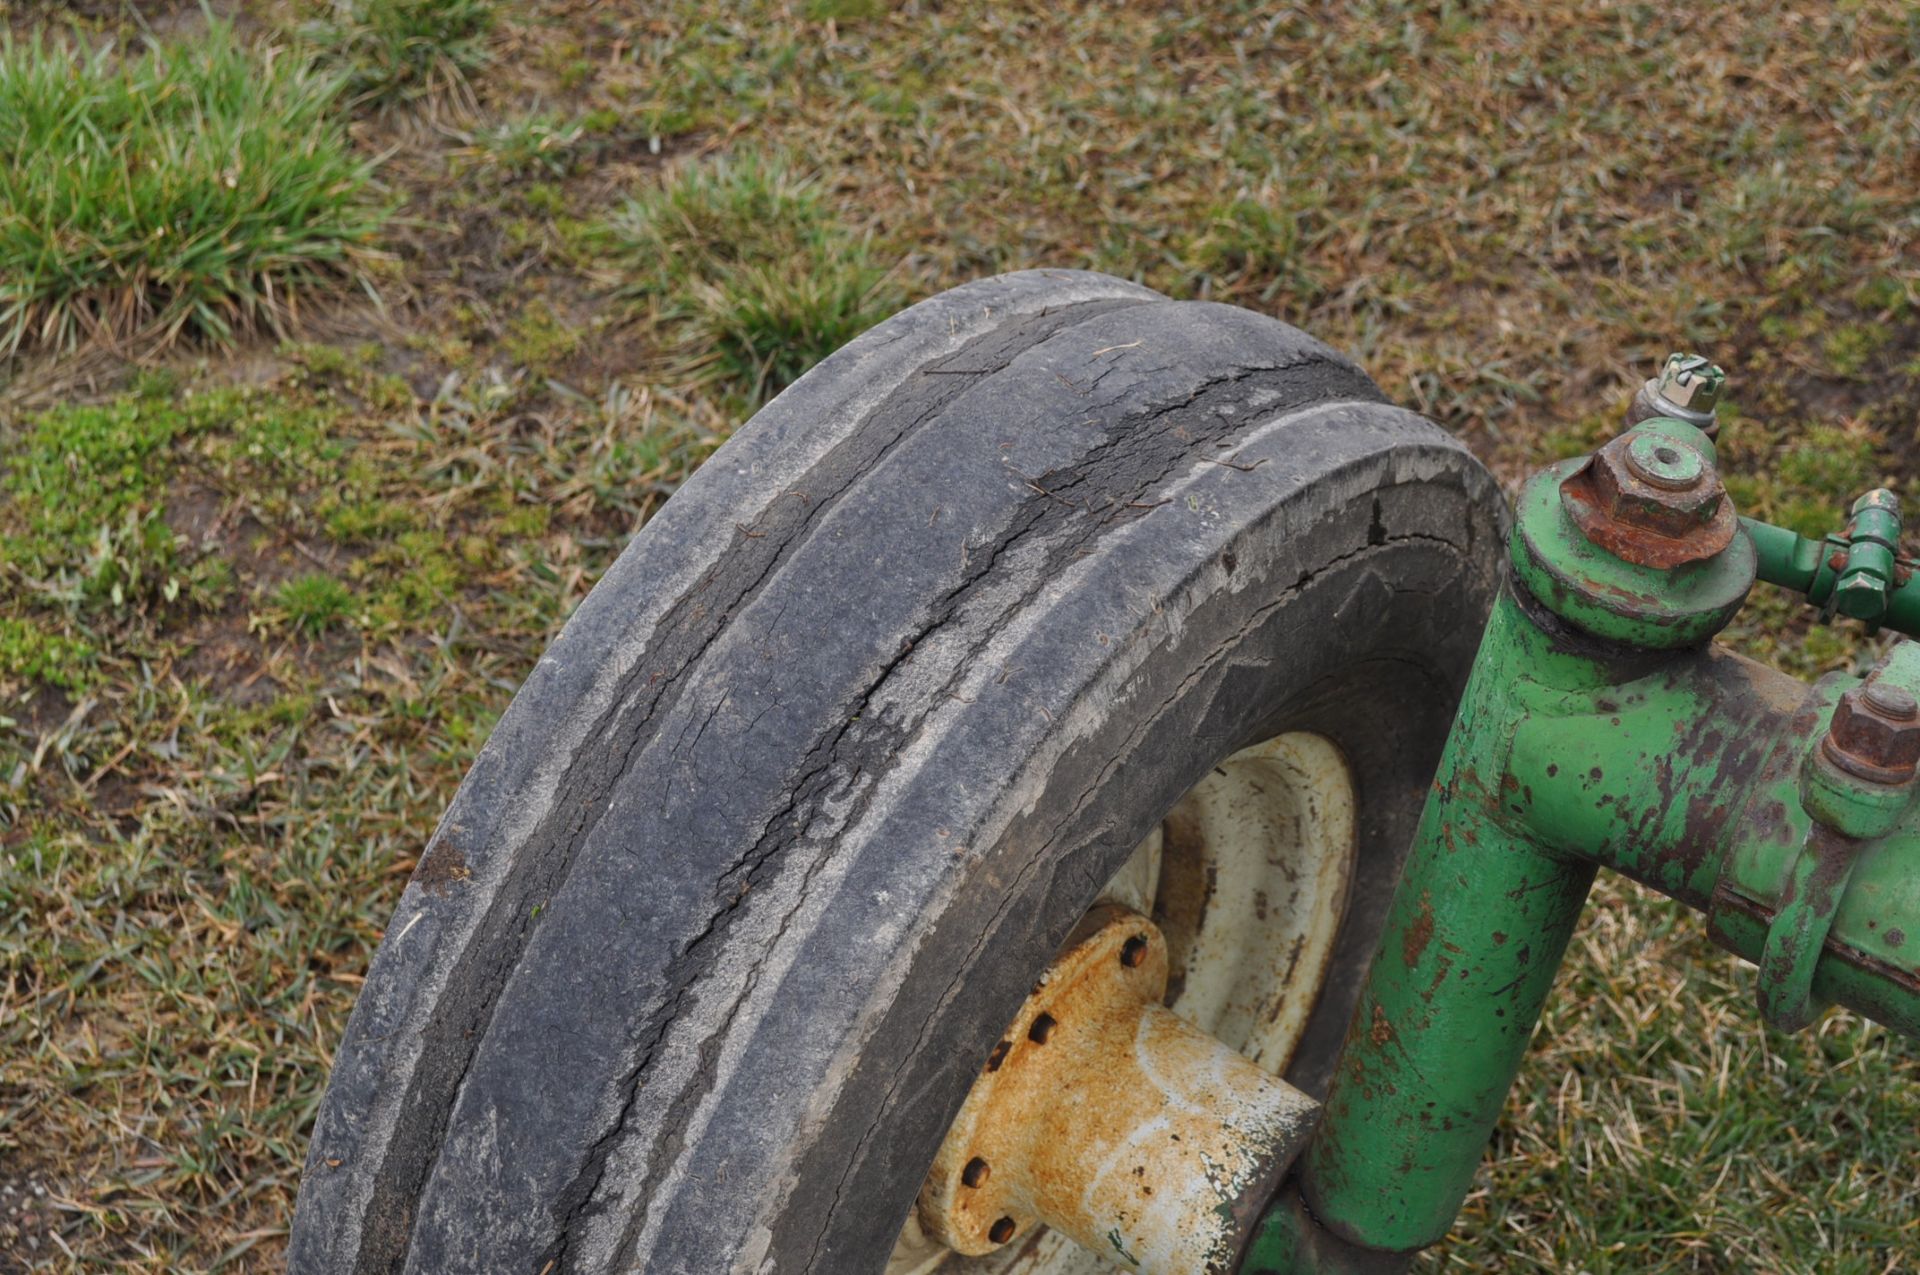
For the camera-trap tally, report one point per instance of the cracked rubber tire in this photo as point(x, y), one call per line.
point(719, 929)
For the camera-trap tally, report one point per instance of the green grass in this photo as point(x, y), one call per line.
point(1509, 213)
point(1811, 478)
point(199, 187)
point(30, 652)
point(534, 144)
point(86, 491)
point(315, 602)
point(751, 260)
point(1260, 239)
point(268, 448)
point(841, 10)
point(1658, 1126)
point(1849, 347)
point(192, 879)
point(537, 338)
point(391, 51)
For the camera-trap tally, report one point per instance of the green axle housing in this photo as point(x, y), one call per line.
point(1600, 728)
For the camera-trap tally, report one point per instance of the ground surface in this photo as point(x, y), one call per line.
point(262, 604)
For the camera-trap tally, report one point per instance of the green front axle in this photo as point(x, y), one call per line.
point(1601, 728)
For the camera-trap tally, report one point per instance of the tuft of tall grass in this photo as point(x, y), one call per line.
point(190, 188)
point(751, 259)
point(315, 602)
point(394, 50)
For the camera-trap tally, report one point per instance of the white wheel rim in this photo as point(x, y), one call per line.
point(1248, 877)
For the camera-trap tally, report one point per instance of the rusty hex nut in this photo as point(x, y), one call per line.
point(1875, 734)
point(1654, 497)
point(1651, 500)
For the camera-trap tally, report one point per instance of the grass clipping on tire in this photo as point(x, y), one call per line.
point(193, 189)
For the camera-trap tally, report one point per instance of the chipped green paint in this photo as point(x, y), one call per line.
point(1448, 1008)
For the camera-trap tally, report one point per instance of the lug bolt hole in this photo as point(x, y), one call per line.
point(1002, 1231)
point(975, 1173)
point(1133, 952)
point(1042, 1028)
point(1666, 455)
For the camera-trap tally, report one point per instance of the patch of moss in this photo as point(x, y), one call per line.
point(331, 363)
point(842, 10)
point(478, 551)
point(538, 339)
point(1828, 461)
point(1808, 481)
point(254, 727)
point(270, 446)
point(87, 484)
point(544, 198)
point(30, 652)
point(1883, 294)
point(350, 370)
point(1849, 347)
point(409, 579)
point(349, 521)
point(524, 236)
point(1578, 439)
point(524, 522)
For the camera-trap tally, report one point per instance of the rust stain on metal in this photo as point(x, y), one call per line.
point(1419, 934)
point(1140, 1137)
point(1726, 898)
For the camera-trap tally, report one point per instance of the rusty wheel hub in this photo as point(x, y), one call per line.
point(1170, 1011)
point(1107, 1117)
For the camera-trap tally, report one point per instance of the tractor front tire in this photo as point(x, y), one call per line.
point(707, 950)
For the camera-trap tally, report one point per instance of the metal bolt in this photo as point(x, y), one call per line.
point(1895, 703)
point(1650, 499)
point(1690, 381)
point(1687, 389)
point(1875, 733)
point(1665, 464)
